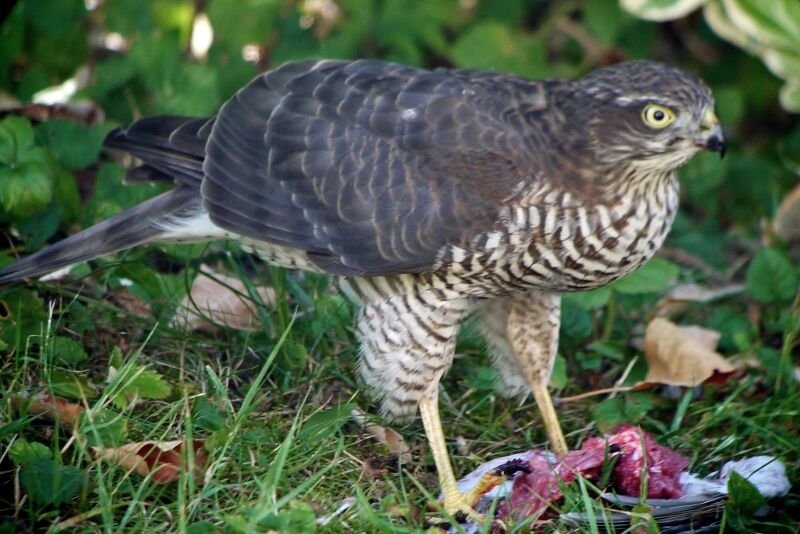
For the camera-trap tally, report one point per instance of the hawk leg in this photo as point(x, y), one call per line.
point(522, 332)
point(408, 334)
point(457, 504)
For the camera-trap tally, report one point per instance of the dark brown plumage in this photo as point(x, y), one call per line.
point(433, 195)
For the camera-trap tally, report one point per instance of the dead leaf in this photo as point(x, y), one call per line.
point(131, 303)
point(389, 437)
point(216, 299)
point(68, 413)
point(682, 355)
point(372, 471)
point(162, 458)
point(786, 224)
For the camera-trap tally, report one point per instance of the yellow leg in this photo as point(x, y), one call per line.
point(532, 330)
point(455, 502)
point(542, 396)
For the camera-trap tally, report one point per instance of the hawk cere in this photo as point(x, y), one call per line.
point(431, 196)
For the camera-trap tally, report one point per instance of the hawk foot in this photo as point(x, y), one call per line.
point(459, 507)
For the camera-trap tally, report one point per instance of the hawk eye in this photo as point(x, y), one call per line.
point(657, 117)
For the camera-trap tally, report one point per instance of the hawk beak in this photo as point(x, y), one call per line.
point(711, 137)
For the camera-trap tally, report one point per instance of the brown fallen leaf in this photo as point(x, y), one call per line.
point(216, 299)
point(389, 437)
point(682, 355)
point(161, 458)
point(373, 471)
point(67, 413)
point(131, 303)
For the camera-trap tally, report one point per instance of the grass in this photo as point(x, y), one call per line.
point(282, 456)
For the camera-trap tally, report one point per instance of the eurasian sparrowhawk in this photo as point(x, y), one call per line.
point(432, 196)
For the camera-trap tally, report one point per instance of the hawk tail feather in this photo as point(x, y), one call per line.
point(168, 217)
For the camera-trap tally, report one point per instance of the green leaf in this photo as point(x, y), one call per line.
point(16, 137)
point(39, 227)
point(790, 148)
point(25, 188)
point(558, 378)
point(67, 351)
point(55, 16)
point(589, 300)
point(104, 428)
point(21, 317)
point(774, 24)
point(576, 322)
point(610, 349)
point(324, 423)
point(731, 99)
point(71, 384)
point(74, 145)
point(202, 527)
point(47, 482)
point(702, 177)
point(661, 10)
point(206, 416)
point(140, 382)
point(299, 518)
point(609, 414)
point(131, 381)
point(605, 19)
point(771, 276)
point(112, 74)
point(293, 355)
point(743, 497)
point(23, 451)
point(496, 46)
point(482, 378)
point(655, 276)
point(68, 197)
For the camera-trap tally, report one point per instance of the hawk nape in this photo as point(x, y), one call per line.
point(432, 196)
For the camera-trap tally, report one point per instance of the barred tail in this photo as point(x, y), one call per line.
point(172, 216)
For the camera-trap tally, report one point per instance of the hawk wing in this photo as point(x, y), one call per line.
point(370, 167)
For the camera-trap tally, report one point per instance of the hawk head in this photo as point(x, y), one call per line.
point(651, 116)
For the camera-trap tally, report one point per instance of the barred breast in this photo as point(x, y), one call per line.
point(559, 242)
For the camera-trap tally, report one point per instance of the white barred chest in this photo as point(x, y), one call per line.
point(566, 245)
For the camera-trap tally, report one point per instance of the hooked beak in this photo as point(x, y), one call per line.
point(711, 137)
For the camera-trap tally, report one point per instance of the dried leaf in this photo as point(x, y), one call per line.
point(372, 471)
point(68, 413)
point(389, 437)
point(216, 299)
point(787, 218)
point(682, 355)
point(131, 303)
point(161, 458)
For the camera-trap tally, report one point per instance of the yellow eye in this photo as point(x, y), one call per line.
point(657, 117)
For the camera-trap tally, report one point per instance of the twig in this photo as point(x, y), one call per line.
point(603, 391)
